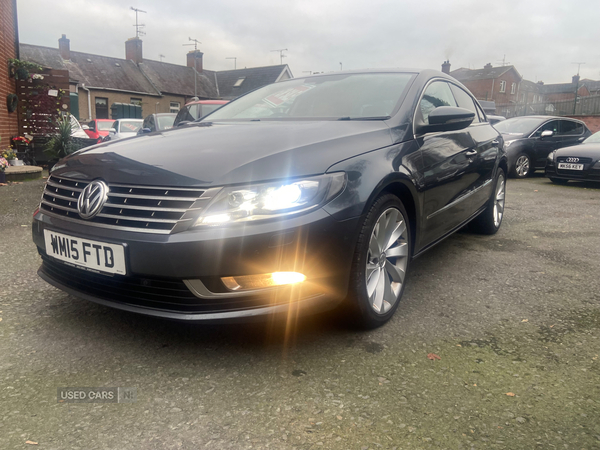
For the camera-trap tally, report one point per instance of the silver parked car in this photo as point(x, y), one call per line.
point(124, 128)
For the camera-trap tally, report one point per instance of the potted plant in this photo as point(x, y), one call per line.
point(3, 166)
point(11, 157)
point(61, 144)
point(23, 70)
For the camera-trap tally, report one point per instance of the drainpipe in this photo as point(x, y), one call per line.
point(89, 101)
point(217, 85)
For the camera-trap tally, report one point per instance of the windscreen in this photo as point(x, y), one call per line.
point(207, 109)
point(165, 122)
point(593, 139)
point(129, 126)
point(348, 96)
point(104, 126)
point(518, 125)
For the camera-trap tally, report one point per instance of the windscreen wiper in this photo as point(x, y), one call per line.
point(365, 118)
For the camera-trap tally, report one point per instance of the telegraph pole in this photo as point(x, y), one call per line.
point(138, 26)
point(161, 56)
point(281, 55)
point(576, 85)
point(195, 44)
point(234, 61)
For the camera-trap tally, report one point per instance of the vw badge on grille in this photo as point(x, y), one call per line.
point(92, 199)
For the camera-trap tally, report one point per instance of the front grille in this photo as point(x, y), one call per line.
point(163, 294)
point(133, 208)
point(562, 159)
point(574, 174)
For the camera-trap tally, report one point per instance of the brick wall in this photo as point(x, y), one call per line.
point(488, 89)
point(592, 122)
point(148, 102)
point(8, 36)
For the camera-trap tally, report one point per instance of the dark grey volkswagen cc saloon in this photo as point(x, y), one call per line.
point(306, 194)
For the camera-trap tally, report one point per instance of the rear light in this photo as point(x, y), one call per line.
point(36, 212)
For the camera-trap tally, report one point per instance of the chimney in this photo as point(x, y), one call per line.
point(133, 50)
point(488, 66)
point(194, 59)
point(64, 46)
point(575, 79)
point(446, 67)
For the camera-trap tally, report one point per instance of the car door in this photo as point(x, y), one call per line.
point(570, 132)
point(487, 144)
point(448, 163)
point(543, 146)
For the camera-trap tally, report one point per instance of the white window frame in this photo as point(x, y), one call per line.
point(502, 86)
point(174, 109)
point(513, 88)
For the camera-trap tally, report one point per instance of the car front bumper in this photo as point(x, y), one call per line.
point(590, 172)
point(177, 276)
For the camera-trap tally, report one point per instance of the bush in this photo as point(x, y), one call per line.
point(61, 144)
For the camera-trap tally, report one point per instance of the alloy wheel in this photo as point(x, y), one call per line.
point(387, 260)
point(522, 166)
point(499, 200)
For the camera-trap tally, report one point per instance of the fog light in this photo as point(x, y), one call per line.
point(265, 280)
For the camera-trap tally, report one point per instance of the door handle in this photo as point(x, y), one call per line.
point(471, 153)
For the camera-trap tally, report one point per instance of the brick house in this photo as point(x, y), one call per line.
point(99, 81)
point(497, 84)
point(565, 91)
point(9, 49)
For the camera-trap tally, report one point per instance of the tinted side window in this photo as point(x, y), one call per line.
point(552, 126)
point(437, 94)
point(568, 127)
point(464, 100)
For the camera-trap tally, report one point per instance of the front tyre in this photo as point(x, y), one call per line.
point(381, 262)
point(489, 221)
point(523, 166)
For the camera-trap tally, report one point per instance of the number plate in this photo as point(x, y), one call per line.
point(570, 166)
point(85, 253)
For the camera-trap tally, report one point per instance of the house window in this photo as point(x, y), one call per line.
point(174, 107)
point(513, 88)
point(503, 86)
point(239, 82)
point(135, 101)
point(101, 108)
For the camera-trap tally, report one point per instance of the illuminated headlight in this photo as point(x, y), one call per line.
point(269, 200)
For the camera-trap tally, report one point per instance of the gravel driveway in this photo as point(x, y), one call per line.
point(495, 346)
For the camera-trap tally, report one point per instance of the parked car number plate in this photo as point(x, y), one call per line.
point(570, 166)
point(85, 253)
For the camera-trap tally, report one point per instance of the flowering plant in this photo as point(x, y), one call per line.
point(8, 154)
point(3, 164)
point(21, 139)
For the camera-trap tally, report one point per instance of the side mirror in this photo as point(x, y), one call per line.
point(447, 118)
point(183, 123)
point(146, 130)
point(112, 131)
point(547, 133)
point(85, 127)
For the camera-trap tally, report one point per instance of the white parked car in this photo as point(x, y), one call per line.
point(124, 128)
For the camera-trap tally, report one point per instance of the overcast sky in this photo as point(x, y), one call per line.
point(541, 38)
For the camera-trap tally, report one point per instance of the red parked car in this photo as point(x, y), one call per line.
point(98, 128)
point(197, 109)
